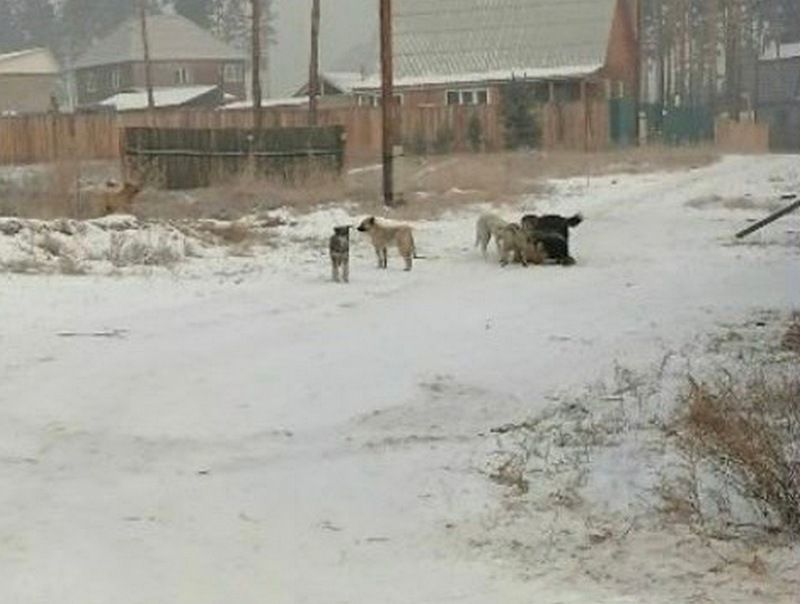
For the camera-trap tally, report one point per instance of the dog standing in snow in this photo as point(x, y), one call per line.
point(552, 231)
point(385, 235)
point(340, 253)
point(488, 226)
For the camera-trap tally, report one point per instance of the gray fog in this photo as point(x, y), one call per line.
point(347, 30)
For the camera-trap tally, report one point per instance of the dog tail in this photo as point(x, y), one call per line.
point(575, 220)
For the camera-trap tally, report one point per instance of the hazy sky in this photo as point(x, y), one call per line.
point(345, 24)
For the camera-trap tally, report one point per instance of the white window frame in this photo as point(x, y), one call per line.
point(91, 82)
point(183, 76)
point(232, 73)
point(374, 100)
point(116, 79)
point(463, 93)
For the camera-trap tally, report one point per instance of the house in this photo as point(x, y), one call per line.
point(464, 52)
point(178, 96)
point(778, 99)
point(334, 83)
point(182, 54)
point(28, 81)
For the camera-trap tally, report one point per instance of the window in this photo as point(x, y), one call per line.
point(116, 79)
point(91, 82)
point(232, 73)
point(374, 100)
point(183, 76)
point(472, 96)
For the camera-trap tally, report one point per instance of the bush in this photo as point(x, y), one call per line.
point(748, 433)
point(522, 128)
point(475, 133)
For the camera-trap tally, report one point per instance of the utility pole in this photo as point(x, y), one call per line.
point(313, 73)
point(256, 61)
point(387, 101)
point(148, 72)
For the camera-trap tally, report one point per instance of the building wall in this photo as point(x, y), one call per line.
point(26, 93)
point(98, 83)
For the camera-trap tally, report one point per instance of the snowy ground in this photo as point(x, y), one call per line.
point(244, 430)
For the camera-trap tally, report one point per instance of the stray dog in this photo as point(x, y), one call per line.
point(553, 246)
point(340, 253)
point(516, 242)
point(552, 222)
point(552, 231)
point(488, 226)
point(384, 235)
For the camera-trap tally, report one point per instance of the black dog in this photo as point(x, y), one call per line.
point(555, 247)
point(553, 232)
point(339, 248)
point(552, 223)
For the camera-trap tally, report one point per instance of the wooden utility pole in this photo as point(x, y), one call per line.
point(256, 61)
point(148, 72)
point(387, 101)
point(313, 72)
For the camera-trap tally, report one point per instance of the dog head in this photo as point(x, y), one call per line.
point(367, 225)
point(342, 231)
point(530, 222)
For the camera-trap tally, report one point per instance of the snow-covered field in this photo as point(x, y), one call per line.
point(243, 430)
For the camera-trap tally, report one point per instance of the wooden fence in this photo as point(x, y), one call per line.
point(188, 158)
point(741, 137)
point(43, 138)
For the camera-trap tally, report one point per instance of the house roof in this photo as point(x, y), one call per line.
point(34, 61)
point(170, 37)
point(451, 39)
point(342, 81)
point(164, 97)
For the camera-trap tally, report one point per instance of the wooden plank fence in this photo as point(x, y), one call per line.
point(189, 158)
point(44, 138)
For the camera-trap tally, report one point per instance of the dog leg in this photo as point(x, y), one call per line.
point(409, 262)
point(334, 271)
point(385, 258)
point(346, 271)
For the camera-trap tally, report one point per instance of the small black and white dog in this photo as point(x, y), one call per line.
point(340, 253)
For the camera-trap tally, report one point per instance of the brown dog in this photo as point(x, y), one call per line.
point(383, 236)
point(516, 243)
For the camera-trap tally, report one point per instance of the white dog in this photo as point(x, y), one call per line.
point(488, 226)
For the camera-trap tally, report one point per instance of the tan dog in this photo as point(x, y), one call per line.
point(383, 236)
point(109, 198)
point(488, 226)
point(516, 243)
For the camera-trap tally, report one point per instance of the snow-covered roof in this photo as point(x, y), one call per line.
point(170, 37)
point(163, 97)
point(527, 73)
point(447, 39)
point(33, 61)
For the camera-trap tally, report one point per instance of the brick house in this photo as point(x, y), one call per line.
point(463, 52)
point(182, 54)
point(28, 81)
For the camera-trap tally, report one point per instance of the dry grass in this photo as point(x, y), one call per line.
point(427, 186)
point(748, 432)
point(791, 341)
